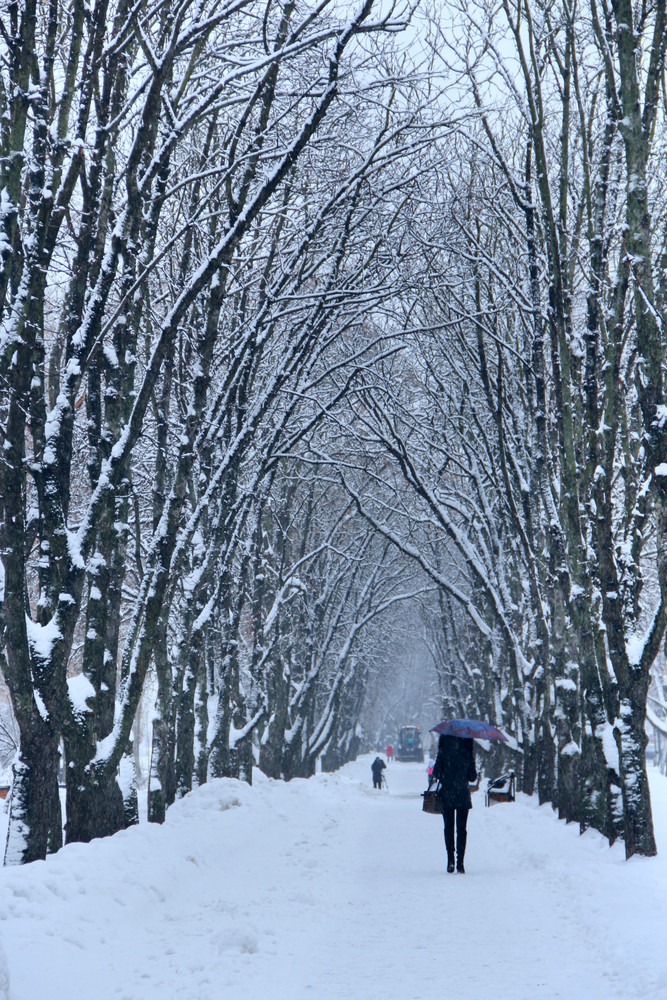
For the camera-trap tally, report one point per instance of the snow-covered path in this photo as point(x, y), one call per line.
point(327, 889)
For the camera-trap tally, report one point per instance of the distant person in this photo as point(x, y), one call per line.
point(454, 768)
point(390, 753)
point(429, 769)
point(377, 767)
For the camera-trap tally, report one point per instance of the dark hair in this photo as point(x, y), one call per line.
point(455, 745)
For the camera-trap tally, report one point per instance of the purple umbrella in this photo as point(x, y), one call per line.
point(469, 728)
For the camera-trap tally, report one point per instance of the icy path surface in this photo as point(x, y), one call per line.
point(326, 889)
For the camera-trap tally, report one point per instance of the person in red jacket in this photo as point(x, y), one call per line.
point(390, 753)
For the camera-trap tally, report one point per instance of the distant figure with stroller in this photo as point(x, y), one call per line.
point(454, 768)
point(390, 753)
point(377, 767)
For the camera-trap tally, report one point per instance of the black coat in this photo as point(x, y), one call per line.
point(377, 767)
point(454, 767)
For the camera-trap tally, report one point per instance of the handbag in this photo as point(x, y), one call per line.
point(432, 802)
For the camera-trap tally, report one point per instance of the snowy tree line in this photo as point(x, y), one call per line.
point(529, 421)
point(194, 195)
point(303, 319)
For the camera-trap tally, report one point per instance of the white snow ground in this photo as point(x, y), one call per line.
point(326, 889)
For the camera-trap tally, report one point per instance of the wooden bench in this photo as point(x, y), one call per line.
point(501, 789)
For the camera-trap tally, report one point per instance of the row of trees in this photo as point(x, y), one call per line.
point(528, 419)
point(194, 200)
point(294, 331)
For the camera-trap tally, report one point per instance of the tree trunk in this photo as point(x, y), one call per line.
point(631, 740)
point(35, 820)
point(185, 729)
point(273, 740)
point(546, 762)
point(95, 807)
point(201, 721)
point(161, 779)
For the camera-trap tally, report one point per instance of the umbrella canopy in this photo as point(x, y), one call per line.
point(469, 728)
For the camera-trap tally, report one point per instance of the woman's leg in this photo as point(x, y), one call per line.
point(461, 837)
point(448, 817)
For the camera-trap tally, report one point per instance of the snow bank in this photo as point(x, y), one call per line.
point(326, 888)
point(4, 975)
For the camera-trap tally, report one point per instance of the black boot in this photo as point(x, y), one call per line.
point(450, 862)
point(461, 839)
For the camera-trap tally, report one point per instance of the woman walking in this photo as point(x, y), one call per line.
point(454, 768)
